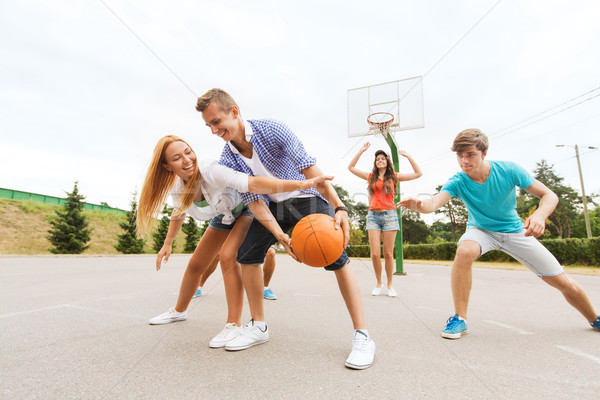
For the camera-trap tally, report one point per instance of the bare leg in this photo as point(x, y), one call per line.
point(232, 274)
point(211, 268)
point(462, 275)
point(375, 243)
point(269, 266)
point(205, 252)
point(351, 293)
point(389, 238)
point(252, 276)
point(574, 294)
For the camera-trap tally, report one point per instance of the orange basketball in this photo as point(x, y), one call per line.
point(316, 242)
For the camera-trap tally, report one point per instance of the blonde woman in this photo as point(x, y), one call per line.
point(382, 218)
point(207, 190)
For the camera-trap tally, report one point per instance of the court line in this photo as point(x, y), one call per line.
point(33, 311)
point(579, 353)
point(510, 327)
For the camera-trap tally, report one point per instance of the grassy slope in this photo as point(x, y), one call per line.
point(24, 226)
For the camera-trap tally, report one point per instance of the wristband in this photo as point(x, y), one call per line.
point(341, 208)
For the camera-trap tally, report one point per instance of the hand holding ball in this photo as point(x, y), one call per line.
point(316, 242)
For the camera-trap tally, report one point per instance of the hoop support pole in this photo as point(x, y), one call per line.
point(398, 247)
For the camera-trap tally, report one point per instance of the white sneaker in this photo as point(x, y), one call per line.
point(392, 292)
point(377, 291)
point(168, 317)
point(251, 336)
point(230, 332)
point(363, 351)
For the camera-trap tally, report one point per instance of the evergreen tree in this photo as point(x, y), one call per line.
point(128, 243)
point(69, 233)
point(161, 232)
point(192, 235)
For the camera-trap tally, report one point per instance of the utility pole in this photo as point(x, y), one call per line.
point(588, 227)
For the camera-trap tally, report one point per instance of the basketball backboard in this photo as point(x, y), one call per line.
point(403, 99)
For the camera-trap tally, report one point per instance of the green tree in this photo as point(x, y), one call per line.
point(456, 212)
point(414, 229)
point(192, 235)
point(578, 227)
point(127, 242)
point(162, 229)
point(69, 233)
point(440, 232)
point(357, 214)
point(567, 209)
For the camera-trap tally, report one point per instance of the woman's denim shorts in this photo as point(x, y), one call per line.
point(383, 221)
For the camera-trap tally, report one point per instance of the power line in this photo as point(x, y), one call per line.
point(496, 136)
point(546, 117)
point(545, 111)
point(149, 49)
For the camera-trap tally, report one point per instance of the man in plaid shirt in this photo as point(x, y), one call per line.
point(269, 148)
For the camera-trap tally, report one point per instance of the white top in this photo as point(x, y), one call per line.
point(220, 187)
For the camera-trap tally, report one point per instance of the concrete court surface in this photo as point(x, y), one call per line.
point(76, 327)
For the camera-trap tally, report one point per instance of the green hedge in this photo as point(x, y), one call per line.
point(567, 251)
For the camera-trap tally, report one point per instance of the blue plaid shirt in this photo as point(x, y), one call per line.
point(278, 148)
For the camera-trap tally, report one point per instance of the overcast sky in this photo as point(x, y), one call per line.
point(83, 99)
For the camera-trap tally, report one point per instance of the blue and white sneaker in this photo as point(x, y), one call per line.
point(455, 327)
point(269, 295)
point(198, 292)
point(596, 324)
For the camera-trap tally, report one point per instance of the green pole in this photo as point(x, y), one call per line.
point(398, 245)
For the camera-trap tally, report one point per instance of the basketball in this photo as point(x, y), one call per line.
point(316, 242)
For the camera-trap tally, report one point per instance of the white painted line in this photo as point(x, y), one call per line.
point(32, 311)
point(308, 295)
point(580, 353)
point(512, 328)
point(129, 316)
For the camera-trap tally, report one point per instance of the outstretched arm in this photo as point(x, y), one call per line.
point(352, 166)
point(426, 206)
point(262, 213)
point(264, 185)
point(165, 251)
point(535, 225)
point(417, 171)
point(327, 190)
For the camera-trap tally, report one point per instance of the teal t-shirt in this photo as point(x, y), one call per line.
point(492, 205)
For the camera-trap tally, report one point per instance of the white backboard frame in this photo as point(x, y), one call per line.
point(402, 98)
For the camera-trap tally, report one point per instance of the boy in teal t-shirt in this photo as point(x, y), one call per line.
point(488, 189)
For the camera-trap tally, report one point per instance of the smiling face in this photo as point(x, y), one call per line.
point(471, 159)
point(381, 161)
point(224, 124)
point(180, 159)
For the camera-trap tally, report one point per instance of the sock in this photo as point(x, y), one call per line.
point(200, 287)
point(260, 324)
point(266, 287)
point(364, 332)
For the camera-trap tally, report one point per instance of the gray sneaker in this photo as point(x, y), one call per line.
point(168, 317)
point(251, 336)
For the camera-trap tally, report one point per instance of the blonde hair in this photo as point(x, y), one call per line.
point(219, 96)
point(158, 184)
point(470, 137)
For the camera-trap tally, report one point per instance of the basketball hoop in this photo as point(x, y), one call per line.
point(381, 121)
